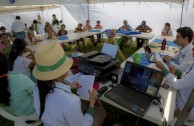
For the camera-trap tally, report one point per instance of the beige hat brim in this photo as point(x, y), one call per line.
point(51, 75)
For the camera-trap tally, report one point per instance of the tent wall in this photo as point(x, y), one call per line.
point(28, 15)
point(112, 15)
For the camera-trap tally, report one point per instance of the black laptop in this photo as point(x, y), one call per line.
point(138, 88)
point(151, 57)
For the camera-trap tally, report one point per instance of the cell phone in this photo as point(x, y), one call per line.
point(102, 90)
point(165, 86)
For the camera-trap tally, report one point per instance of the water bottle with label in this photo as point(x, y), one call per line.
point(163, 44)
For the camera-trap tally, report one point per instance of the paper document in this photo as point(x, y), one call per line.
point(86, 81)
point(110, 49)
point(73, 78)
point(158, 58)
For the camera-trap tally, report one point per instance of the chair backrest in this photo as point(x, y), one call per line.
point(110, 49)
point(21, 121)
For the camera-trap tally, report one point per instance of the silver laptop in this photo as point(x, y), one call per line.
point(138, 88)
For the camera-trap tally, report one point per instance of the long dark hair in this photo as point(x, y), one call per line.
point(4, 90)
point(44, 87)
point(17, 48)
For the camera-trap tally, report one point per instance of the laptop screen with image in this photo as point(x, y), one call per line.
point(141, 78)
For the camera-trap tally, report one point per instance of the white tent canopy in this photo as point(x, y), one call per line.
point(111, 13)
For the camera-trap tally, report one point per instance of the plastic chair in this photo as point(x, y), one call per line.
point(21, 121)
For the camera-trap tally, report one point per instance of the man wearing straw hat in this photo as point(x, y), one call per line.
point(54, 102)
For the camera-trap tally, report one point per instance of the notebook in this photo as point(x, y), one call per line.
point(138, 88)
point(150, 56)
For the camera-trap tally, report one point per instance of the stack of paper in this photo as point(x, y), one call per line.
point(86, 82)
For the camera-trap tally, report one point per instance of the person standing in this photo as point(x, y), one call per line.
point(18, 28)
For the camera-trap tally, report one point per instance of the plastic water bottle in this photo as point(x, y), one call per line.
point(137, 58)
point(163, 44)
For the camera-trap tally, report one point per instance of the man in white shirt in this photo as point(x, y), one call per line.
point(184, 86)
point(184, 56)
point(18, 28)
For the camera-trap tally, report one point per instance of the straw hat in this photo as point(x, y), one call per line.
point(51, 62)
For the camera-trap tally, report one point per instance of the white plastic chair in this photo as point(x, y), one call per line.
point(110, 49)
point(21, 121)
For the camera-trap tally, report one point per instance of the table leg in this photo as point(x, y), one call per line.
point(119, 51)
point(137, 121)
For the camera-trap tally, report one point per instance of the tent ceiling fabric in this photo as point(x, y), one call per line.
point(108, 1)
point(8, 9)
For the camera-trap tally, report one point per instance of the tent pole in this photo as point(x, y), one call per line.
point(42, 9)
point(186, 110)
point(183, 1)
point(88, 9)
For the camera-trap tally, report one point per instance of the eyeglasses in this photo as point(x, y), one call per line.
point(179, 37)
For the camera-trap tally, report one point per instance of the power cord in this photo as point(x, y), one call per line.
point(158, 104)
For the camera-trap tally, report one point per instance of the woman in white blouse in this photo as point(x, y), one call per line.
point(167, 31)
point(54, 102)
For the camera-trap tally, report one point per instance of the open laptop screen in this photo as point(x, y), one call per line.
point(141, 78)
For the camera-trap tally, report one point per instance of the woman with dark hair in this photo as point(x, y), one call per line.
point(167, 31)
point(17, 59)
point(62, 31)
point(16, 91)
point(54, 102)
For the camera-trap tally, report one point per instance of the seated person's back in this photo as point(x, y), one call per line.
point(16, 91)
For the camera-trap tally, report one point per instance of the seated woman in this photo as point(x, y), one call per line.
point(5, 44)
point(16, 91)
point(79, 29)
point(49, 34)
point(30, 38)
point(54, 102)
point(88, 27)
point(62, 31)
point(167, 31)
point(18, 62)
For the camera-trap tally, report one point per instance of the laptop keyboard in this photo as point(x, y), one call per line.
point(125, 96)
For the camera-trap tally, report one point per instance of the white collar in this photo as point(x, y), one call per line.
point(62, 86)
point(187, 48)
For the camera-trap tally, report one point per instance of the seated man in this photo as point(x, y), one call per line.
point(30, 38)
point(184, 86)
point(125, 27)
point(184, 56)
point(142, 28)
point(88, 27)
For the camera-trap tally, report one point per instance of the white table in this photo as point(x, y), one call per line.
point(71, 38)
point(153, 114)
point(142, 35)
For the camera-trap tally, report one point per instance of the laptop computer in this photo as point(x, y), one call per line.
point(138, 88)
point(150, 56)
